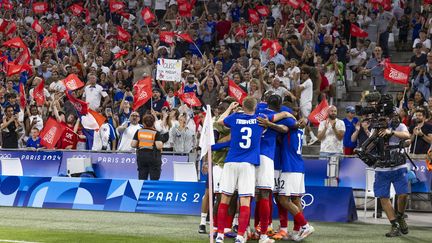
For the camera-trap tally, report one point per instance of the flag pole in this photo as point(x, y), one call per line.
point(210, 178)
point(198, 49)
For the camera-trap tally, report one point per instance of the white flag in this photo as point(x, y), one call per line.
point(207, 136)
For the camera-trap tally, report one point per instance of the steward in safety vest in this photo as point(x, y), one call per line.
point(149, 145)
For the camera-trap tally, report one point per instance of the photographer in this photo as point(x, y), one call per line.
point(421, 138)
point(391, 172)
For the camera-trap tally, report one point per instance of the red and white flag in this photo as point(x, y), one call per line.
point(49, 42)
point(23, 58)
point(3, 24)
point(254, 18)
point(63, 34)
point(143, 92)
point(240, 31)
point(37, 27)
point(186, 37)
point(293, 3)
point(319, 114)
point(120, 54)
point(122, 34)
point(51, 133)
point(12, 69)
point(275, 48)
point(184, 8)
point(72, 82)
point(266, 44)
point(11, 28)
point(40, 7)
point(235, 91)
point(39, 94)
point(396, 73)
point(116, 6)
point(167, 37)
point(147, 15)
point(23, 100)
point(76, 9)
point(190, 99)
point(7, 5)
point(263, 10)
point(306, 8)
point(358, 32)
point(80, 106)
point(125, 15)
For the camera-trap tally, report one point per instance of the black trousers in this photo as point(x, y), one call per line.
point(149, 164)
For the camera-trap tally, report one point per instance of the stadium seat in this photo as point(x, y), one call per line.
point(11, 167)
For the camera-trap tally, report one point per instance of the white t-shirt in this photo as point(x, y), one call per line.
point(39, 124)
point(291, 72)
point(307, 93)
point(426, 43)
point(330, 143)
point(93, 95)
point(356, 60)
point(127, 136)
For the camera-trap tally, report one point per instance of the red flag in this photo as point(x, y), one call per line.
point(51, 133)
point(358, 32)
point(147, 15)
point(319, 114)
point(23, 100)
point(38, 93)
point(167, 37)
point(120, 54)
point(263, 10)
point(190, 99)
point(76, 9)
point(180, 91)
point(63, 34)
point(235, 91)
point(72, 82)
point(253, 16)
point(306, 8)
point(13, 69)
point(49, 42)
point(87, 16)
point(122, 34)
point(80, 106)
point(125, 15)
point(396, 73)
point(143, 92)
point(3, 24)
point(275, 48)
point(11, 28)
point(185, 8)
point(241, 31)
point(23, 58)
point(40, 7)
point(293, 3)
point(37, 27)
point(116, 6)
point(16, 42)
point(7, 5)
point(186, 37)
point(266, 44)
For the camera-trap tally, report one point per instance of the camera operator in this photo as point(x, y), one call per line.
point(393, 173)
point(421, 137)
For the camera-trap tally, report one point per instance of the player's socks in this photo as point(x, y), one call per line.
point(271, 209)
point(222, 215)
point(283, 216)
point(203, 218)
point(243, 219)
point(229, 221)
point(264, 210)
point(300, 219)
point(257, 214)
point(215, 219)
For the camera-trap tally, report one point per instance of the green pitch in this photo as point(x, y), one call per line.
point(50, 225)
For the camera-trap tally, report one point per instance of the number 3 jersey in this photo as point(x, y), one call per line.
point(291, 148)
point(245, 138)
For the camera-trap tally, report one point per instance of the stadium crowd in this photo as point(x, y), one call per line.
point(299, 50)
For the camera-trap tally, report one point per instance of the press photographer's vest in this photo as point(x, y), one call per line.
point(146, 138)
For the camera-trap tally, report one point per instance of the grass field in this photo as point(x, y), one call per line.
point(50, 225)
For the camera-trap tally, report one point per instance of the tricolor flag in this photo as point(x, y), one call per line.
point(93, 120)
point(358, 32)
point(72, 82)
point(207, 138)
point(396, 73)
point(51, 133)
point(319, 114)
point(235, 91)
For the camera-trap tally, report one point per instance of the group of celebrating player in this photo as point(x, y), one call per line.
point(258, 153)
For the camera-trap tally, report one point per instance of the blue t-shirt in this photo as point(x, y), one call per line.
point(188, 89)
point(268, 139)
point(349, 130)
point(291, 156)
point(33, 143)
point(245, 138)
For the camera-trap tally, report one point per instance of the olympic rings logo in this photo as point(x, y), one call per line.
point(307, 199)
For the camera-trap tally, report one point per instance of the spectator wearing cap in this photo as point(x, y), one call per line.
point(418, 60)
point(350, 122)
point(375, 68)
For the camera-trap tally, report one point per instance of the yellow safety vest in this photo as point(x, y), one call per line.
point(146, 138)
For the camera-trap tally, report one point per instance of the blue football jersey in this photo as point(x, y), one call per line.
point(278, 153)
point(268, 140)
point(245, 138)
point(291, 157)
